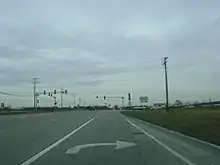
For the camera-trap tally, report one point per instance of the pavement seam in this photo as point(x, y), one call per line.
point(180, 134)
point(162, 144)
point(44, 151)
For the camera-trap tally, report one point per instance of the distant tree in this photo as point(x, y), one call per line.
point(178, 103)
point(116, 107)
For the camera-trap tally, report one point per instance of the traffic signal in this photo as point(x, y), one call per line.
point(129, 96)
point(55, 92)
point(45, 92)
point(104, 97)
point(65, 91)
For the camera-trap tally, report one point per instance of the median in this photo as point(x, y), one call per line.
point(203, 124)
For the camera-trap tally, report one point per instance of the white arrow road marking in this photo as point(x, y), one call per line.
point(119, 145)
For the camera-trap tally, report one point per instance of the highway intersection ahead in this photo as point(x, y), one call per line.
point(92, 138)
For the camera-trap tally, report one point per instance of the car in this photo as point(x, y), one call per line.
point(90, 108)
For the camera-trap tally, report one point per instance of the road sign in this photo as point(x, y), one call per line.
point(119, 145)
point(143, 99)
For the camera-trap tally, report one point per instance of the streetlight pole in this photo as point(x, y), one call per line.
point(166, 83)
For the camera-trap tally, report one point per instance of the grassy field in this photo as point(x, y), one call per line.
point(203, 124)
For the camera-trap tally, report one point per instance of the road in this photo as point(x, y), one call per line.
point(91, 138)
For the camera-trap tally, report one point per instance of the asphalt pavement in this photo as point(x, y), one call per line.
point(92, 138)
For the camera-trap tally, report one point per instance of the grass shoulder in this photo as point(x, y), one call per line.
point(203, 124)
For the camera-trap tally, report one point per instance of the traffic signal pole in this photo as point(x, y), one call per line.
point(62, 91)
point(61, 98)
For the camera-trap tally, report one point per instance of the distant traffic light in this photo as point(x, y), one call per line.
point(65, 91)
point(45, 92)
point(129, 96)
point(104, 97)
point(55, 92)
point(97, 97)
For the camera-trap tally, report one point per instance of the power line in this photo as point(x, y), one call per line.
point(14, 95)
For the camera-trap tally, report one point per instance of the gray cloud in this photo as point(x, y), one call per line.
point(111, 46)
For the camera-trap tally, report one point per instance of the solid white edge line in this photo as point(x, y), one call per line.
point(162, 144)
point(41, 153)
point(180, 134)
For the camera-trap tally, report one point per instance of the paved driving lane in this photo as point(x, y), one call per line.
point(109, 127)
point(22, 136)
point(62, 132)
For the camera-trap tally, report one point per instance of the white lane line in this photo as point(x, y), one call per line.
point(180, 134)
point(41, 153)
point(162, 144)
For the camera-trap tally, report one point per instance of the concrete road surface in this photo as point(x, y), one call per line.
point(93, 138)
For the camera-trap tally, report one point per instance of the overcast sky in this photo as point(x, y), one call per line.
point(110, 47)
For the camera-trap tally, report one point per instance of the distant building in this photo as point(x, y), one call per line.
point(208, 104)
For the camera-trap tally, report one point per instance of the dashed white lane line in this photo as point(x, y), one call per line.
point(188, 162)
point(41, 153)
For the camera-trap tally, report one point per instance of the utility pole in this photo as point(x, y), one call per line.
point(129, 100)
point(166, 83)
point(35, 98)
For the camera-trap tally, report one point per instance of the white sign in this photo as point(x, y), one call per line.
point(143, 99)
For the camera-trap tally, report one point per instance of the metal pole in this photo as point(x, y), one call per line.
point(166, 84)
point(34, 92)
point(61, 104)
point(122, 103)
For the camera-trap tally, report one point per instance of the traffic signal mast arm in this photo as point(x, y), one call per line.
point(110, 97)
